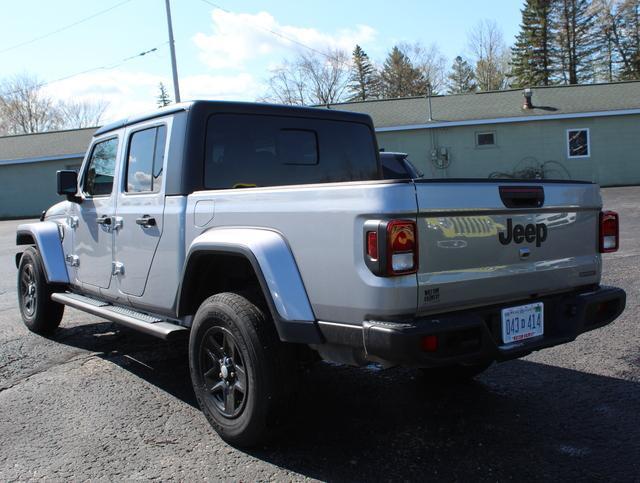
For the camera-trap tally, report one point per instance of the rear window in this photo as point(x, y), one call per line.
point(247, 150)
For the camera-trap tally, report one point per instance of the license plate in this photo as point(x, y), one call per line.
point(522, 322)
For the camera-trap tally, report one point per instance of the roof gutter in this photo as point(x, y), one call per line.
point(41, 159)
point(505, 120)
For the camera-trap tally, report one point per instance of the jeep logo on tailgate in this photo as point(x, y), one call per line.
point(520, 233)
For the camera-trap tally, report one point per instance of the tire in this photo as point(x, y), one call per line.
point(39, 313)
point(454, 374)
point(242, 374)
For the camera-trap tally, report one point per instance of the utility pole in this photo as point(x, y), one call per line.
point(174, 68)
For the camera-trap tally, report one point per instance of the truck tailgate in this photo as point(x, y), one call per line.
point(475, 249)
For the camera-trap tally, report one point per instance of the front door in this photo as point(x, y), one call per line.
point(93, 239)
point(140, 207)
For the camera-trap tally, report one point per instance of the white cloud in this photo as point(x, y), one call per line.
point(125, 92)
point(241, 50)
point(129, 93)
point(241, 86)
point(240, 37)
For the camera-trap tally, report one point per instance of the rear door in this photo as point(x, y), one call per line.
point(140, 207)
point(478, 246)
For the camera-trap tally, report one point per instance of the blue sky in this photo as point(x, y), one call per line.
point(222, 54)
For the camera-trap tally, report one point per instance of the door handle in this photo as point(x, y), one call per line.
point(146, 221)
point(104, 220)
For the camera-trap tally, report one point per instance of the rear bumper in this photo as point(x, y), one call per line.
point(475, 335)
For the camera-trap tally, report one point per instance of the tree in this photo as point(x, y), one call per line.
point(363, 81)
point(575, 36)
point(82, 113)
point(489, 55)
point(628, 38)
point(607, 66)
point(327, 75)
point(619, 26)
point(163, 98)
point(429, 61)
point(461, 77)
point(400, 78)
point(287, 85)
point(310, 79)
point(531, 63)
point(24, 108)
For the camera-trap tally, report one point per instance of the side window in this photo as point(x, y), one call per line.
point(145, 160)
point(485, 139)
point(98, 179)
point(578, 143)
point(298, 147)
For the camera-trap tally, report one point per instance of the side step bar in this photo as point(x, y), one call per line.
point(130, 318)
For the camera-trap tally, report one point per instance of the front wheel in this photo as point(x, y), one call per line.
point(39, 313)
point(242, 373)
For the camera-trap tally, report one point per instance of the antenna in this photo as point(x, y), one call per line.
point(429, 99)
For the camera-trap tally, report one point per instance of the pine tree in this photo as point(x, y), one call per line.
point(575, 39)
point(363, 81)
point(163, 98)
point(400, 78)
point(461, 77)
point(607, 68)
point(628, 38)
point(531, 63)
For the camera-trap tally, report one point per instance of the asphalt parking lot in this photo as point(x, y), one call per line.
point(100, 401)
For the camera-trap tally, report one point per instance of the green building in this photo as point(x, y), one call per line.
point(587, 132)
point(28, 165)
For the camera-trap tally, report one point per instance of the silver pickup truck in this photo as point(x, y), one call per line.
point(268, 233)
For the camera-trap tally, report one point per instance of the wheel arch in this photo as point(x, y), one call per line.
point(46, 238)
point(265, 261)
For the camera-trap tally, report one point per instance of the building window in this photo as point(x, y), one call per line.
point(485, 139)
point(578, 143)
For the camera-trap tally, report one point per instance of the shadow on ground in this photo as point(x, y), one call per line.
point(520, 420)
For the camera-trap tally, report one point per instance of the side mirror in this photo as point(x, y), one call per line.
point(68, 184)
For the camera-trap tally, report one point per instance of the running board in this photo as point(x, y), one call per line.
point(122, 315)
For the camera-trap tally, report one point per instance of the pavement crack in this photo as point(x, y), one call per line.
point(44, 368)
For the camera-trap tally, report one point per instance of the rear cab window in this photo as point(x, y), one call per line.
point(245, 150)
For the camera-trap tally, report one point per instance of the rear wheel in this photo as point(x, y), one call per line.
point(242, 374)
point(39, 313)
point(456, 373)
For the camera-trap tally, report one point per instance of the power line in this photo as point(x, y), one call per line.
point(62, 29)
point(102, 67)
point(278, 34)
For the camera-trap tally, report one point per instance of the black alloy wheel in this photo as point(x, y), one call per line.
point(223, 372)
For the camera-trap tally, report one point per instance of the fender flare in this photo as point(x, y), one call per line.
point(275, 267)
point(46, 237)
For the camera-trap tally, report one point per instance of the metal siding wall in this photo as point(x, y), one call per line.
point(614, 143)
point(27, 189)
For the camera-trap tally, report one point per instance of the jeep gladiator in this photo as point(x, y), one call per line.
point(268, 233)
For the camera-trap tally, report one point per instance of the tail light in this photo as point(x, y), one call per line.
point(609, 232)
point(391, 247)
point(372, 245)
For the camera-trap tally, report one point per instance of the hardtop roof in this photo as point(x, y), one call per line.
point(240, 108)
